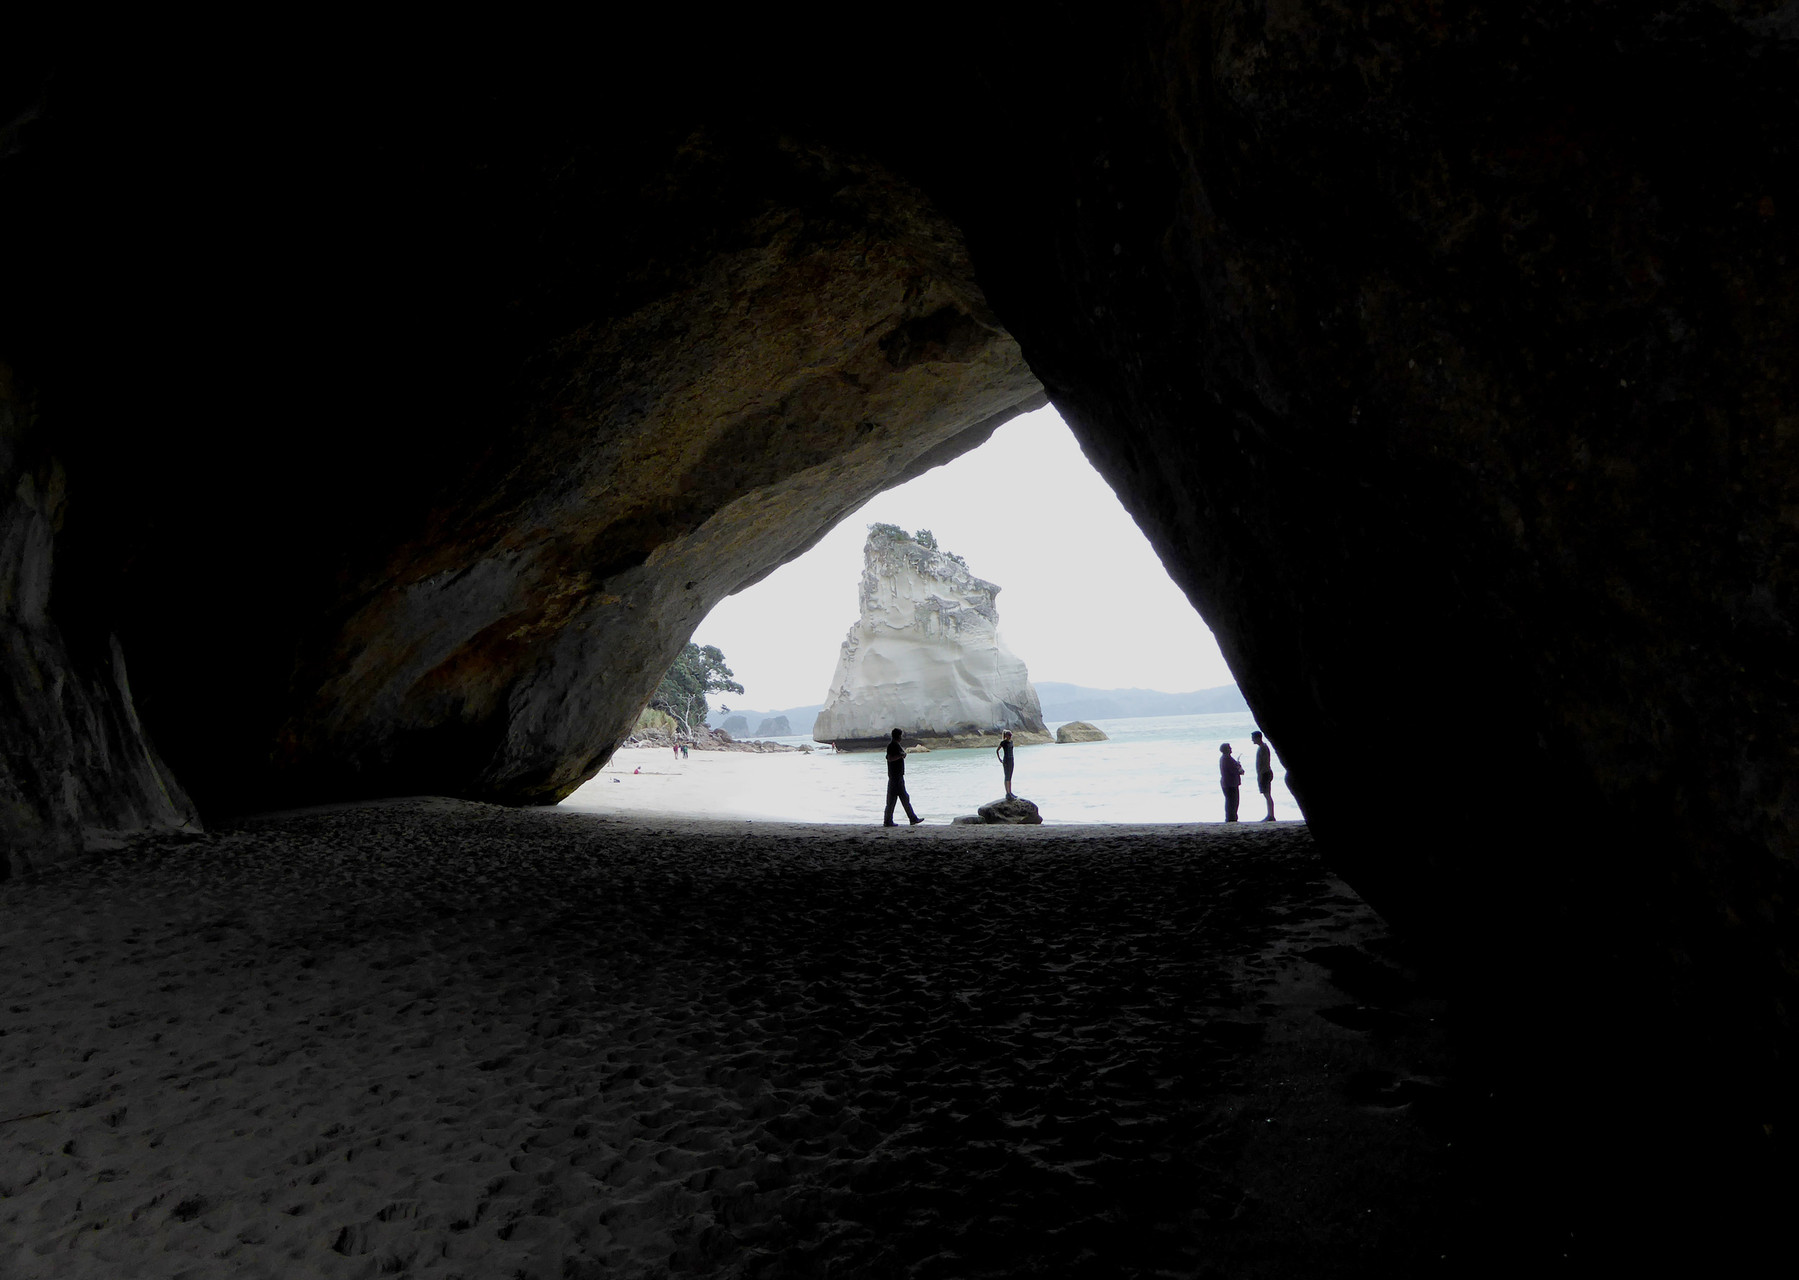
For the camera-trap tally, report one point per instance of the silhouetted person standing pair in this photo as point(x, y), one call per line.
point(896, 782)
point(1230, 776)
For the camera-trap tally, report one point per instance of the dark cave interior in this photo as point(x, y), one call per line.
point(381, 423)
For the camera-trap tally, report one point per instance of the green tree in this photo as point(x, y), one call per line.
point(696, 673)
point(891, 530)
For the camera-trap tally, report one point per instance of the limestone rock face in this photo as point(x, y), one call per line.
point(925, 656)
point(665, 360)
point(76, 768)
point(774, 727)
point(1080, 731)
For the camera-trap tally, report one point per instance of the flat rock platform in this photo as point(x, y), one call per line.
point(441, 1038)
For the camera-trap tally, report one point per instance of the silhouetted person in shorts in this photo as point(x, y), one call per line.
point(1230, 777)
point(1004, 752)
point(1264, 772)
point(896, 782)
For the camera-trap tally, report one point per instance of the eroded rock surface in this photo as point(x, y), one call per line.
point(76, 769)
point(1080, 731)
point(925, 657)
point(457, 560)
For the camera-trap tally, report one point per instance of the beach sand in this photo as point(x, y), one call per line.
point(444, 1038)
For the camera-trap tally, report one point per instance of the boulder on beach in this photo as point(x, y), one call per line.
point(967, 820)
point(774, 727)
point(1017, 812)
point(1080, 731)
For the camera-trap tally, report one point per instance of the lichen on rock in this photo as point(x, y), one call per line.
point(926, 657)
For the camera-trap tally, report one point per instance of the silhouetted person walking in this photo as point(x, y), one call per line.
point(1004, 752)
point(1264, 772)
point(1230, 777)
point(896, 782)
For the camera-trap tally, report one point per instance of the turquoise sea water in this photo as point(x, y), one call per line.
point(1154, 769)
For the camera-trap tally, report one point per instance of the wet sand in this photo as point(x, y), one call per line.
point(451, 1039)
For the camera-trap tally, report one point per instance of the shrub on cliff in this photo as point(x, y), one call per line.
point(924, 538)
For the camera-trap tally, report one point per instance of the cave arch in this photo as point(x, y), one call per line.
point(313, 417)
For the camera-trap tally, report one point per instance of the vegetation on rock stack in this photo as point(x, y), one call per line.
point(696, 673)
point(924, 538)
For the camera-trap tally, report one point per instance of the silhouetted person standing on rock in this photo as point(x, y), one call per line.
point(896, 782)
point(1004, 752)
point(1230, 777)
point(1264, 772)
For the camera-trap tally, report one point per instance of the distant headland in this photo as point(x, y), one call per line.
point(1062, 702)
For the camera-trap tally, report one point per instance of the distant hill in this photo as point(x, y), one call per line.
point(800, 718)
point(1074, 702)
point(1061, 702)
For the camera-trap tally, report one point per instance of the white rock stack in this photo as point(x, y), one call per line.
point(926, 657)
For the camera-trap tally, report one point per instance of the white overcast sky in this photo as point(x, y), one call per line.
point(1083, 599)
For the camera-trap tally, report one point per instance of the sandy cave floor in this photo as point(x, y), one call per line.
point(445, 1038)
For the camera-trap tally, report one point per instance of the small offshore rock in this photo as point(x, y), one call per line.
point(1017, 811)
point(775, 727)
point(968, 820)
point(1080, 731)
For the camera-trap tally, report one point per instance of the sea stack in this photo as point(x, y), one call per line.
point(926, 657)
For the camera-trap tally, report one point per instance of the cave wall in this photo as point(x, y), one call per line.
point(834, 345)
point(1446, 353)
point(1454, 356)
point(77, 771)
point(483, 405)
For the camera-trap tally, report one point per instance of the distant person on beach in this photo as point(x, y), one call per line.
point(1264, 772)
point(1230, 777)
point(896, 782)
point(1004, 752)
point(684, 751)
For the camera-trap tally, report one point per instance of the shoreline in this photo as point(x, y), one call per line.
point(1119, 781)
point(451, 1037)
